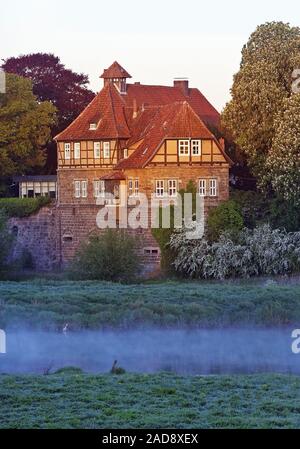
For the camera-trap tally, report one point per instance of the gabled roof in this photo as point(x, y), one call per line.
point(106, 110)
point(115, 71)
point(154, 125)
point(162, 95)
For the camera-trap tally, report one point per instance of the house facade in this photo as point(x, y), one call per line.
point(136, 139)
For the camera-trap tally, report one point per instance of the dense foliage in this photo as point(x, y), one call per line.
point(110, 256)
point(283, 160)
point(25, 128)
point(23, 207)
point(225, 217)
point(259, 91)
point(261, 251)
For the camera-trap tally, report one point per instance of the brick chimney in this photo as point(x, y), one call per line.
point(183, 85)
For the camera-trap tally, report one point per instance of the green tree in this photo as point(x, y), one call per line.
point(283, 161)
point(225, 217)
point(259, 91)
point(25, 127)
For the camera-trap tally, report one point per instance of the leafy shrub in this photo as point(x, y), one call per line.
point(110, 256)
point(261, 251)
point(257, 208)
point(163, 235)
point(225, 217)
point(5, 239)
point(23, 207)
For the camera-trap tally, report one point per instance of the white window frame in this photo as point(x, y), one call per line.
point(97, 150)
point(106, 150)
point(67, 151)
point(77, 186)
point(130, 187)
point(84, 189)
point(93, 126)
point(125, 153)
point(202, 186)
point(99, 188)
point(172, 187)
point(136, 187)
point(196, 146)
point(159, 188)
point(77, 150)
point(213, 187)
point(184, 147)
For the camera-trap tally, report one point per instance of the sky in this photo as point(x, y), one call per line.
point(155, 40)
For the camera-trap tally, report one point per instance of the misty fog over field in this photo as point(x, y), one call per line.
point(210, 351)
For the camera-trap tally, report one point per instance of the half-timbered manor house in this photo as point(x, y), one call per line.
point(151, 139)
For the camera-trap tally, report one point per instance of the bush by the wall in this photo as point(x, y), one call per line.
point(225, 217)
point(110, 256)
point(23, 207)
point(261, 251)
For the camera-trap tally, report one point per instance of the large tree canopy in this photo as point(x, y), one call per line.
point(283, 161)
point(25, 127)
point(260, 89)
point(51, 81)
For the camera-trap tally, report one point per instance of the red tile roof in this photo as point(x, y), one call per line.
point(106, 110)
point(115, 71)
point(152, 126)
point(115, 175)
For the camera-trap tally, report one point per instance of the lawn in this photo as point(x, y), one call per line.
point(149, 401)
point(48, 304)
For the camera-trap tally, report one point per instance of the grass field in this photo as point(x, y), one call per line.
point(75, 400)
point(50, 304)
point(149, 401)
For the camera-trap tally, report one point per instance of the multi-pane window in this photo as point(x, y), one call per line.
point(93, 126)
point(133, 187)
point(184, 147)
point(77, 150)
point(159, 188)
point(97, 150)
point(208, 187)
point(212, 187)
point(172, 187)
point(67, 151)
point(202, 187)
point(136, 187)
point(84, 189)
point(77, 189)
point(99, 189)
point(196, 147)
point(80, 189)
point(106, 150)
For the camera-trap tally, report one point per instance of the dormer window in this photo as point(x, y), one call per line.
point(93, 126)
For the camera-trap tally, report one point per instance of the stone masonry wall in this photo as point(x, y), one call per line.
point(37, 234)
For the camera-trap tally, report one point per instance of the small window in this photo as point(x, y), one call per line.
point(172, 187)
point(136, 187)
point(159, 188)
point(106, 150)
point(67, 151)
point(99, 189)
point(97, 150)
point(93, 126)
point(67, 238)
point(77, 189)
point(202, 187)
point(212, 187)
point(77, 150)
point(184, 147)
point(196, 147)
point(125, 153)
point(84, 189)
point(130, 187)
